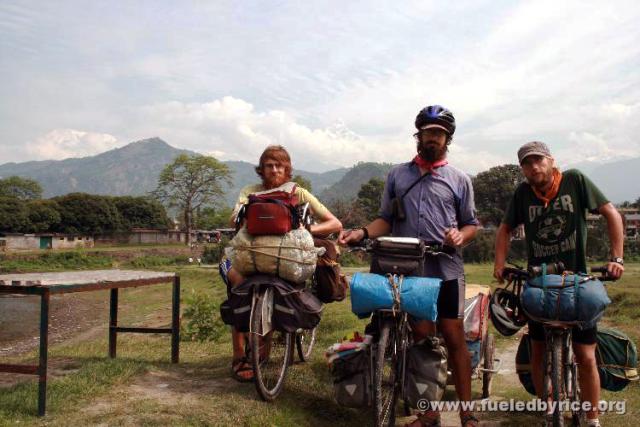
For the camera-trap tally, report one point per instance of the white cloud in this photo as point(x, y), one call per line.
point(334, 83)
point(234, 130)
point(61, 144)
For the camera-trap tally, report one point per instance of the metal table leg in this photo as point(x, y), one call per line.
point(175, 321)
point(44, 347)
point(113, 322)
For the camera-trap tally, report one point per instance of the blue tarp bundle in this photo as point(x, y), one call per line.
point(418, 295)
point(568, 299)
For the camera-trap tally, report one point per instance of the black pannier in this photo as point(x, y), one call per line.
point(293, 308)
point(352, 379)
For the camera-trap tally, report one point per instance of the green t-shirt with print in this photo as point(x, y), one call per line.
point(559, 231)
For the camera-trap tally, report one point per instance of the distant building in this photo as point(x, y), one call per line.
point(632, 226)
point(143, 236)
point(28, 242)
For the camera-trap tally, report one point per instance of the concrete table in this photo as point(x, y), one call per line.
point(47, 284)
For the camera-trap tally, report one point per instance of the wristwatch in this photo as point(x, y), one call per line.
point(617, 259)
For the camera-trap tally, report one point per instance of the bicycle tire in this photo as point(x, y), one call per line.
point(385, 387)
point(487, 375)
point(269, 366)
point(557, 380)
point(305, 340)
point(572, 387)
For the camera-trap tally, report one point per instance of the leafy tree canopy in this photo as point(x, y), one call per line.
point(20, 188)
point(302, 182)
point(191, 182)
point(493, 190)
point(369, 197)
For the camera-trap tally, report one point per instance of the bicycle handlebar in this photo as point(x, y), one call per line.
point(430, 248)
point(555, 268)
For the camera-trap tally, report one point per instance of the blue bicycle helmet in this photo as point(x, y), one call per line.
point(436, 115)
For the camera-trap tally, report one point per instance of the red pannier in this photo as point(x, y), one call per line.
point(272, 213)
point(476, 306)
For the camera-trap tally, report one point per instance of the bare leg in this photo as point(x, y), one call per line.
point(459, 358)
point(588, 376)
point(537, 365)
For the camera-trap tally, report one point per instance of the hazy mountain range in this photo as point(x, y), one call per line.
point(134, 169)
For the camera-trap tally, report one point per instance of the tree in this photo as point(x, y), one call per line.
point(350, 214)
point(13, 215)
point(369, 197)
point(141, 212)
point(88, 214)
point(190, 182)
point(302, 182)
point(493, 190)
point(210, 218)
point(44, 215)
point(20, 188)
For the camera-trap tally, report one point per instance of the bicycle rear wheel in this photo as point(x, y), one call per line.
point(385, 377)
point(305, 340)
point(271, 352)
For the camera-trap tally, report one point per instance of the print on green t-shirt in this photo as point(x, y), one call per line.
point(557, 232)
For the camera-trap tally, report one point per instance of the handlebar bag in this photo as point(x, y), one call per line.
point(565, 298)
point(352, 379)
point(273, 212)
point(395, 256)
point(426, 372)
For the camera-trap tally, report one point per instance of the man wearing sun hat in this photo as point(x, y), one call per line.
point(552, 205)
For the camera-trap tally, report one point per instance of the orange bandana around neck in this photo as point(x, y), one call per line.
point(552, 191)
point(425, 164)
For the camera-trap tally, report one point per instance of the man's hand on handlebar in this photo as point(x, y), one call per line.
point(615, 270)
point(453, 237)
point(350, 237)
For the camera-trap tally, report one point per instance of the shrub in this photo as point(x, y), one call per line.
point(202, 317)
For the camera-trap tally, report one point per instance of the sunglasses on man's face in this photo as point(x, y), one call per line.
point(429, 132)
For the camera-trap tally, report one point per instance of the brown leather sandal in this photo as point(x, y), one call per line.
point(239, 367)
point(426, 419)
point(469, 421)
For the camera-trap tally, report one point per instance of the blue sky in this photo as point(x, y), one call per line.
point(335, 82)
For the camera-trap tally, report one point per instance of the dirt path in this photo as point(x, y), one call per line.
point(73, 317)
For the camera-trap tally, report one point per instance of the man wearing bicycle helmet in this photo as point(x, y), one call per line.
point(429, 199)
point(552, 205)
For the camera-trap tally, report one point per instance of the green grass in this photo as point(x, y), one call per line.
point(54, 261)
point(141, 387)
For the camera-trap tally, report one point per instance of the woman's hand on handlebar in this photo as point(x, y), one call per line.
point(350, 237)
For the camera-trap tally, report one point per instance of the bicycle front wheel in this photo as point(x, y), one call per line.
point(384, 376)
point(271, 352)
point(557, 379)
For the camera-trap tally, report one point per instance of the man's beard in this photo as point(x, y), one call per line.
point(432, 152)
point(274, 182)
